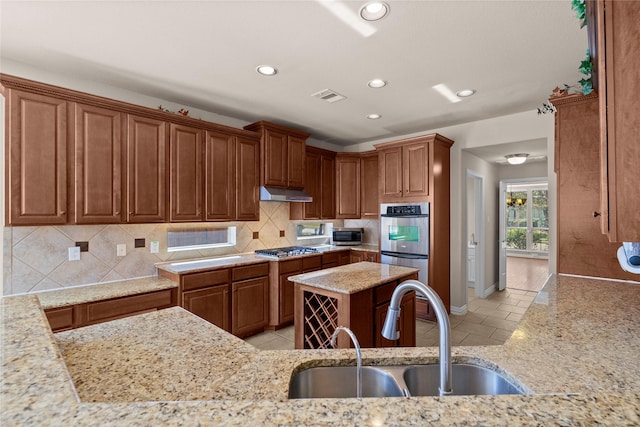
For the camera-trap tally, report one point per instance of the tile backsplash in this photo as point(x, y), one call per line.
point(36, 258)
point(371, 229)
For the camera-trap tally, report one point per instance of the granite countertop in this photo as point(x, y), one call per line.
point(576, 347)
point(352, 278)
point(101, 291)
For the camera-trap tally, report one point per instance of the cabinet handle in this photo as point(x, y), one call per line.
point(131, 213)
point(62, 212)
point(596, 214)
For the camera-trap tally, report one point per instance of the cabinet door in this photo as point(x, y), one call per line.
point(380, 313)
point(328, 187)
point(250, 306)
point(313, 186)
point(98, 165)
point(356, 256)
point(370, 256)
point(36, 159)
point(247, 179)
point(369, 205)
point(406, 324)
point(186, 173)
point(390, 169)
point(275, 159)
point(286, 297)
point(348, 187)
point(416, 170)
point(220, 171)
point(345, 258)
point(295, 160)
point(212, 304)
point(146, 157)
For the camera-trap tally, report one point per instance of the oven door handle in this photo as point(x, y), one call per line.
point(404, 255)
point(405, 216)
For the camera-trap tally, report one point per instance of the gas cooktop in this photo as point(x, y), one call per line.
point(285, 252)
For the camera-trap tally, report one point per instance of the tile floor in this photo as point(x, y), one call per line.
point(488, 321)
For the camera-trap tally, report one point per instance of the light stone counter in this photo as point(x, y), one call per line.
point(353, 278)
point(577, 347)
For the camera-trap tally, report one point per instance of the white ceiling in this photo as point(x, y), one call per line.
point(203, 54)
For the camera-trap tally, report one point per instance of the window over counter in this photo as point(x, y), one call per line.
point(200, 238)
point(313, 230)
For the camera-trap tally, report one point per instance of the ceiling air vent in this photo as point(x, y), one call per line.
point(329, 95)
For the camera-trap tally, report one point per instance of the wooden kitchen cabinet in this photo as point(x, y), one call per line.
point(281, 290)
point(211, 304)
point(406, 324)
point(146, 165)
point(405, 171)
point(348, 185)
point(247, 179)
point(615, 32)
point(359, 256)
point(369, 205)
point(185, 163)
point(249, 299)
point(283, 154)
point(320, 183)
point(97, 164)
point(36, 159)
point(220, 173)
point(577, 165)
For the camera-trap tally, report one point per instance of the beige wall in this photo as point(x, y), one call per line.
point(36, 257)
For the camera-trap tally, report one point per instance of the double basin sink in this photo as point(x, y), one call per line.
point(398, 381)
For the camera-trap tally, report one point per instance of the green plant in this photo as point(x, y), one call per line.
point(581, 11)
point(516, 238)
point(584, 85)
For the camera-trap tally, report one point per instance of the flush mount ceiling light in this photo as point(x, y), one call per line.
point(516, 159)
point(374, 11)
point(464, 93)
point(267, 70)
point(373, 116)
point(376, 83)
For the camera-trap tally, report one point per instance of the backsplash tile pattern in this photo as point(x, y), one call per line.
point(35, 258)
point(371, 229)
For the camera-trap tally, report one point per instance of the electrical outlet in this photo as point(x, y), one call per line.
point(154, 247)
point(121, 249)
point(74, 253)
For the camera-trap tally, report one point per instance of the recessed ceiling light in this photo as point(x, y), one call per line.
point(465, 93)
point(373, 116)
point(374, 11)
point(516, 159)
point(377, 83)
point(267, 70)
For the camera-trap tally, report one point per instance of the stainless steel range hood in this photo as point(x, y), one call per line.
point(274, 194)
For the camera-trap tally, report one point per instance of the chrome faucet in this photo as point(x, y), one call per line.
point(389, 329)
point(358, 355)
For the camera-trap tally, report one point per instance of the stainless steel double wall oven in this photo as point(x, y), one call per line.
point(404, 236)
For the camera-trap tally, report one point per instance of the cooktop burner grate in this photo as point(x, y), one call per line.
point(285, 252)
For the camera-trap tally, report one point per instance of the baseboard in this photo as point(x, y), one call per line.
point(459, 311)
point(491, 289)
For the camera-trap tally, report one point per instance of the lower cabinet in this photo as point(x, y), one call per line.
point(406, 324)
point(359, 256)
point(250, 299)
point(78, 315)
point(212, 304)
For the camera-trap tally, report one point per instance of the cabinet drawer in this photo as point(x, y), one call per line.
point(250, 271)
point(311, 263)
point(207, 278)
point(330, 259)
point(60, 318)
point(120, 307)
point(290, 266)
point(383, 293)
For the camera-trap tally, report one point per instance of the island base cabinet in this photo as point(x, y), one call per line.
point(211, 304)
point(250, 300)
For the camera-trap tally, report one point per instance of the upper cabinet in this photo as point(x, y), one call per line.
point(76, 158)
point(146, 177)
point(320, 183)
point(348, 185)
point(369, 205)
point(283, 155)
point(615, 42)
point(97, 165)
point(36, 187)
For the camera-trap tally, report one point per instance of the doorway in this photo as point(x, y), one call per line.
point(474, 242)
point(524, 234)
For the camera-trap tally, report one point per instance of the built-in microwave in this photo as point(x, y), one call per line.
point(343, 236)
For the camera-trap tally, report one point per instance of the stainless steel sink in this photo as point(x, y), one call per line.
point(340, 381)
point(397, 381)
point(424, 380)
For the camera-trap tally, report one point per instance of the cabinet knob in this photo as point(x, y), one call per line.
point(596, 214)
point(62, 212)
point(131, 213)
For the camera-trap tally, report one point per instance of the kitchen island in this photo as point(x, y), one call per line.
point(356, 296)
point(576, 349)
